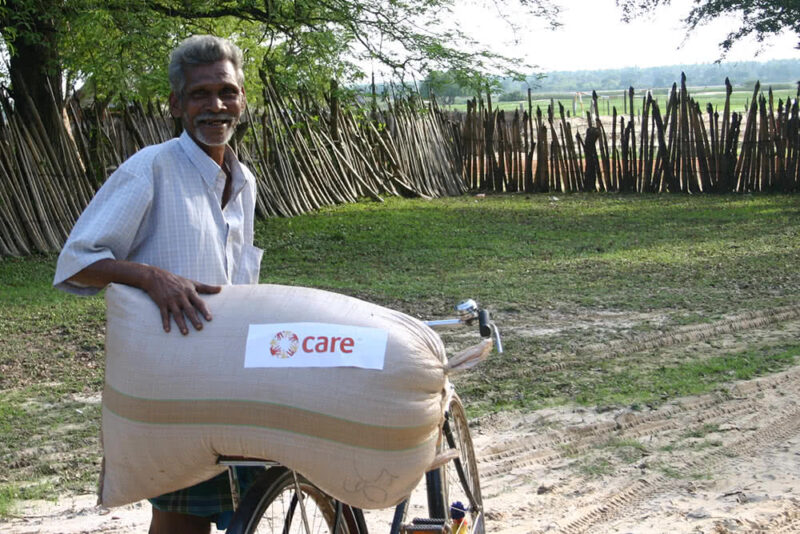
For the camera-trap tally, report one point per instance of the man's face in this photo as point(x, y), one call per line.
point(211, 103)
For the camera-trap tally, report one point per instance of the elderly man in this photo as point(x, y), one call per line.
point(176, 221)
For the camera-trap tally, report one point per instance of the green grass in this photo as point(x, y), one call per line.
point(608, 100)
point(592, 268)
point(595, 467)
point(627, 450)
point(654, 384)
point(702, 431)
point(701, 255)
point(609, 456)
point(7, 498)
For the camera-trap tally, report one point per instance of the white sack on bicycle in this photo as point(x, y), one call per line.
point(172, 404)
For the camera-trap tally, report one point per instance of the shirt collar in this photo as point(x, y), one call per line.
point(237, 174)
point(208, 168)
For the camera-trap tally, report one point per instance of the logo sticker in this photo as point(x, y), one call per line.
point(315, 345)
point(284, 344)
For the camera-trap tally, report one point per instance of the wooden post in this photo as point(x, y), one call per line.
point(642, 177)
point(632, 126)
point(500, 174)
point(748, 154)
point(615, 173)
point(592, 161)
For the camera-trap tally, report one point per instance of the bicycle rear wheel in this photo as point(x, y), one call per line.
point(459, 490)
point(272, 505)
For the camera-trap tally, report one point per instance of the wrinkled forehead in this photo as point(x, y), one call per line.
point(218, 73)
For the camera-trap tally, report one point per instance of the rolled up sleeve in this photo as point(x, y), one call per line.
point(107, 229)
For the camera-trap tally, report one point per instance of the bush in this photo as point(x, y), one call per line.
point(514, 96)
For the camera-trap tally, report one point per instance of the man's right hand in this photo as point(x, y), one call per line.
point(174, 295)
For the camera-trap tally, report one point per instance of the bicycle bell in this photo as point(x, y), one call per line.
point(467, 310)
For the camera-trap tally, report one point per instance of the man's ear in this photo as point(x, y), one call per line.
point(175, 105)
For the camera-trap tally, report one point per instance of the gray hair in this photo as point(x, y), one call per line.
point(202, 50)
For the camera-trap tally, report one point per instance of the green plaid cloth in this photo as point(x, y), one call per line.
point(211, 498)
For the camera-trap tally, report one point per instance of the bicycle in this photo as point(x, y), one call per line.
point(454, 501)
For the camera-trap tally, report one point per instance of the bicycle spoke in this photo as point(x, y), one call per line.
point(462, 494)
point(299, 496)
point(289, 515)
point(466, 484)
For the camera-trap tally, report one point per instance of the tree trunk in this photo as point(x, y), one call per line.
point(35, 69)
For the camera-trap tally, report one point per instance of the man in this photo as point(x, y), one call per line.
point(176, 221)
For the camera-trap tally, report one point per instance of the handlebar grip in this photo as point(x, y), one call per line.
point(483, 323)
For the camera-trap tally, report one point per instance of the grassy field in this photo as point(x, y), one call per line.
point(608, 100)
point(615, 265)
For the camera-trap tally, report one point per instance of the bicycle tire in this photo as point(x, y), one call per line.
point(458, 480)
point(271, 506)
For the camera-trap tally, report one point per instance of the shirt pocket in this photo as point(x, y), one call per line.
point(248, 266)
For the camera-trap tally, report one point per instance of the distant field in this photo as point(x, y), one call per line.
point(608, 100)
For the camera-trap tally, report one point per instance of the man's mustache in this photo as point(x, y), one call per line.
point(210, 116)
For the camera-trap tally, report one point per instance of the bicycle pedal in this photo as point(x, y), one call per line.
point(426, 525)
point(427, 521)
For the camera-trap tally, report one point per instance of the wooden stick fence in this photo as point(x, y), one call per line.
point(308, 154)
point(304, 157)
point(680, 150)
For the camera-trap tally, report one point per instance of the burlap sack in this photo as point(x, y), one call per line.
point(172, 404)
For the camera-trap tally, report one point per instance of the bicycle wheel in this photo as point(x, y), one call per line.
point(458, 490)
point(272, 505)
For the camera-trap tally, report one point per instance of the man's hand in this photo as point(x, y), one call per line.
point(178, 296)
point(174, 295)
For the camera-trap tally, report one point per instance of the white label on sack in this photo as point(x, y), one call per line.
point(315, 345)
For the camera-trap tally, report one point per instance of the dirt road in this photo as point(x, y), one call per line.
point(715, 464)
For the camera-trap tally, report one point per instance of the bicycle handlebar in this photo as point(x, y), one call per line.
point(484, 323)
point(468, 311)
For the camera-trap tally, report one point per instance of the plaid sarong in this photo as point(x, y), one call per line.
point(211, 498)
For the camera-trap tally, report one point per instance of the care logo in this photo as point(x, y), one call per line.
point(284, 344)
point(315, 345)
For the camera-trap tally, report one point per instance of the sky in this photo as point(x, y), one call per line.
point(594, 37)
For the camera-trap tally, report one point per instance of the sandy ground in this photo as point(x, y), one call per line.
point(726, 462)
point(711, 464)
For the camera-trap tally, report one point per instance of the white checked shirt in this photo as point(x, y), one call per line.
point(162, 207)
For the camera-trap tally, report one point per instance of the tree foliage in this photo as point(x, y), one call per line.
point(447, 85)
point(122, 45)
point(759, 18)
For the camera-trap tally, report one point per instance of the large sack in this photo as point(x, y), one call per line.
point(172, 404)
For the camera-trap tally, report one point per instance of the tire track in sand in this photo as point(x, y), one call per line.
point(739, 407)
point(687, 415)
point(647, 487)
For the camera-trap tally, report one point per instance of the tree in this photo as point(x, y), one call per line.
point(121, 45)
point(759, 18)
point(31, 32)
point(446, 86)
